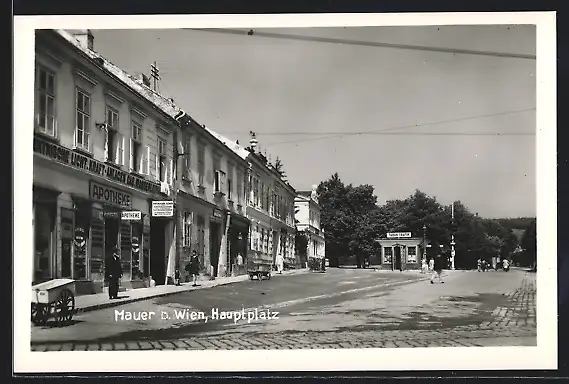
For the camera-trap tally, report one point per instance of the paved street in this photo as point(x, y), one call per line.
point(338, 309)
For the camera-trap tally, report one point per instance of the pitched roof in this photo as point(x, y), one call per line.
point(162, 103)
point(238, 149)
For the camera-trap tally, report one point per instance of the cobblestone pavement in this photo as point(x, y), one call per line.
point(470, 309)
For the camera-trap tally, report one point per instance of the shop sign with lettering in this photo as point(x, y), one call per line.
point(78, 161)
point(112, 215)
point(131, 215)
point(163, 208)
point(398, 235)
point(109, 195)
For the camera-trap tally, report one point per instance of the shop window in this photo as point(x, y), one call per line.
point(387, 255)
point(256, 238)
point(97, 246)
point(137, 255)
point(45, 102)
point(81, 240)
point(82, 119)
point(412, 254)
point(44, 222)
point(126, 249)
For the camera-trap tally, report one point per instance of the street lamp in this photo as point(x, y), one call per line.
point(452, 251)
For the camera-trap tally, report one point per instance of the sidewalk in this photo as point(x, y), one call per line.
point(86, 303)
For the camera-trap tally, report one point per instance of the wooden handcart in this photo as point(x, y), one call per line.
point(53, 299)
point(257, 267)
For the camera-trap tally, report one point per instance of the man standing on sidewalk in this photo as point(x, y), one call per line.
point(440, 262)
point(114, 273)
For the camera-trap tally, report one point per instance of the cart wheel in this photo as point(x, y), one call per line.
point(39, 313)
point(64, 307)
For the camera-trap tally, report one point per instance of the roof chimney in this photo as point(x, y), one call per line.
point(143, 79)
point(84, 36)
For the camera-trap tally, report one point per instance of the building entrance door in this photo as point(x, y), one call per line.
point(111, 236)
point(397, 251)
point(158, 250)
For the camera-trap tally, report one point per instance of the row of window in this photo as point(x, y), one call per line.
point(222, 182)
point(270, 200)
point(261, 240)
point(411, 254)
point(46, 123)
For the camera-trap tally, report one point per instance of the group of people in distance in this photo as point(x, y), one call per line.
point(484, 265)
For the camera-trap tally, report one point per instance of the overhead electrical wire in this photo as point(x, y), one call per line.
point(374, 131)
point(365, 43)
point(386, 131)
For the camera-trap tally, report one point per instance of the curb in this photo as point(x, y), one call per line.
point(110, 304)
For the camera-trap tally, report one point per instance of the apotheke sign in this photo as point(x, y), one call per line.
point(162, 208)
point(109, 195)
point(398, 235)
point(76, 160)
point(131, 215)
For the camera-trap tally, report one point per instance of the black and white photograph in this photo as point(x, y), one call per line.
point(331, 193)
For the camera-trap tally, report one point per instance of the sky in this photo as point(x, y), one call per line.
point(277, 88)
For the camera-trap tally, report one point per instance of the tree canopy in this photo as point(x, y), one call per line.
point(353, 222)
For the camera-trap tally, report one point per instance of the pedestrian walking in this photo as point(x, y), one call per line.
point(479, 263)
point(506, 265)
point(177, 277)
point(431, 265)
point(239, 263)
point(114, 273)
point(193, 267)
point(439, 265)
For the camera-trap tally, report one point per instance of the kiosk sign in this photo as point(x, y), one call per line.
point(162, 208)
point(399, 235)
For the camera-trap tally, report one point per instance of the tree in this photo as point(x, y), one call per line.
point(529, 244)
point(279, 168)
point(350, 218)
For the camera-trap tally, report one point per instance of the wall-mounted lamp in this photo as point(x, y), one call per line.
point(104, 126)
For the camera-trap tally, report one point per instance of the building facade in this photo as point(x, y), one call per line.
point(269, 203)
point(103, 153)
point(308, 221)
point(211, 200)
point(400, 251)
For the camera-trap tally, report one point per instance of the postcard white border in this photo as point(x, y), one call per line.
point(544, 356)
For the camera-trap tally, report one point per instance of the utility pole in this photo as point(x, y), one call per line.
point(452, 251)
point(424, 258)
point(155, 74)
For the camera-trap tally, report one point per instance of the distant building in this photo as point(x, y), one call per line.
point(308, 220)
point(400, 251)
point(270, 206)
point(211, 199)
